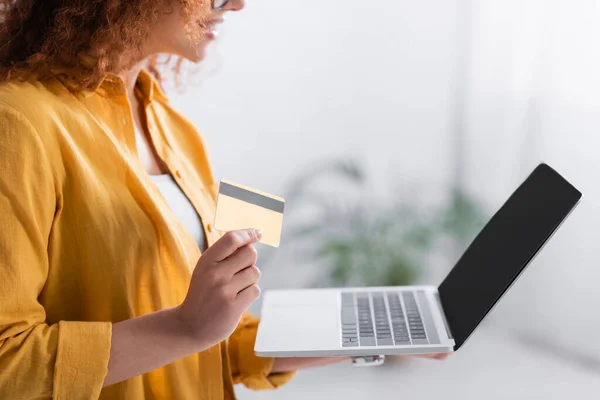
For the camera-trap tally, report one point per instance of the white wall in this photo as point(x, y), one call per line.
point(291, 83)
point(535, 96)
point(299, 81)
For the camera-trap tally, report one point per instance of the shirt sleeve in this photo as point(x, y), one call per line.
point(65, 360)
point(247, 368)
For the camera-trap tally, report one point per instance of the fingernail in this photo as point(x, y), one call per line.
point(258, 233)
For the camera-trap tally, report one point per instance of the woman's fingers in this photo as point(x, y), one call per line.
point(230, 243)
point(437, 356)
point(247, 296)
point(245, 278)
point(243, 258)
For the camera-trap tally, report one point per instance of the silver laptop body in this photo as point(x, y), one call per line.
point(421, 319)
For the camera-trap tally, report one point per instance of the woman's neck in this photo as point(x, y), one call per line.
point(130, 78)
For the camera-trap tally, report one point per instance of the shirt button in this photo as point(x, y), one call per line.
point(178, 174)
point(124, 121)
point(209, 227)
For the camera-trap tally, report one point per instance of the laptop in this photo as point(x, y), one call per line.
point(373, 321)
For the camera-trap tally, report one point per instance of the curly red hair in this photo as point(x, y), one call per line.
point(38, 34)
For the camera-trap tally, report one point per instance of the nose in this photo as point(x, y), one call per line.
point(235, 5)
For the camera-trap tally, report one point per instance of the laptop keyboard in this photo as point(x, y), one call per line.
point(381, 319)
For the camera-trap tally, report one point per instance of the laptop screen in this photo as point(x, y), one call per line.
point(503, 249)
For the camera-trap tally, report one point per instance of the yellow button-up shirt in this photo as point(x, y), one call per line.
point(87, 240)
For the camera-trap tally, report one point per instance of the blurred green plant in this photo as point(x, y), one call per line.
point(362, 242)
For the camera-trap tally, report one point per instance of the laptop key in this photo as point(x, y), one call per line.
point(381, 319)
point(348, 315)
point(348, 298)
point(367, 341)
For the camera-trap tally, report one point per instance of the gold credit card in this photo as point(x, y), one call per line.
point(240, 207)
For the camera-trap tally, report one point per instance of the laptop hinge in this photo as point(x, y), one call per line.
point(448, 332)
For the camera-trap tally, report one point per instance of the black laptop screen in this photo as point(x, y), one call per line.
point(503, 249)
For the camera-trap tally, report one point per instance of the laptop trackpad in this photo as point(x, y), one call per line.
point(303, 298)
point(299, 328)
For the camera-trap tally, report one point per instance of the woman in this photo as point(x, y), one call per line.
point(113, 283)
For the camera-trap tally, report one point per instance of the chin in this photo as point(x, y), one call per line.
point(195, 55)
point(199, 57)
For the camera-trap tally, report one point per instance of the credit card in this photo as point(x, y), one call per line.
point(241, 207)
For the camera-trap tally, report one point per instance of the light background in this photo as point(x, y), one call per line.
point(398, 84)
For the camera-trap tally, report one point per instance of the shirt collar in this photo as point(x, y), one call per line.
point(150, 87)
point(111, 84)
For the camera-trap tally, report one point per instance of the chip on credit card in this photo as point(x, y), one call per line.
point(241, 207)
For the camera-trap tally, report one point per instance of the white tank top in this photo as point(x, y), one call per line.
point(182, 206)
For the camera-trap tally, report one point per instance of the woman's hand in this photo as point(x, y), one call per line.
point(282, 365)
point(439, 356)
point(223, 286)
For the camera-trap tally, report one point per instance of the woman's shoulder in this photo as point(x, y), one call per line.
point(29, 98)
point(39, 105)
point(31, 114)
